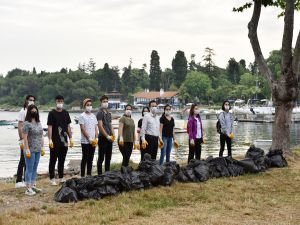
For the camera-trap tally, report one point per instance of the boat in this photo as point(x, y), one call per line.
point(6, 122)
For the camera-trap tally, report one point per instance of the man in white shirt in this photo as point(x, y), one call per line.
point(29, 100)
point(150, 132)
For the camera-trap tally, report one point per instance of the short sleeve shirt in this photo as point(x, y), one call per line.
point(106, 121)
point(34, 133)
point(22, 115)
point(89, 122)
point(128, 128)
point(168, 126)
point(59, 122)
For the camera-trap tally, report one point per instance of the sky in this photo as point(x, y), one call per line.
point(52, 34)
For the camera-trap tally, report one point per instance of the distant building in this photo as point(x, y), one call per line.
point(161, 97)
point(114, 99)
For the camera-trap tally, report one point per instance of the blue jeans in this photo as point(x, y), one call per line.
point(166, 150)
point(31, 167)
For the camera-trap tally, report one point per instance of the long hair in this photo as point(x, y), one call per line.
point(223, 105)
point(166, 106)
point(192, 110)
point(28, 114)
point(146, 107)
point(26, 100)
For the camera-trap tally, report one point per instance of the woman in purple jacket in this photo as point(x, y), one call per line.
point(195, 132)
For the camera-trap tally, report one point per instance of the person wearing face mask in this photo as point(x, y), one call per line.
point(126, 135)
point(32, 132)
point(150, 132)
point(29, 100)
point(226, 121)
point(106, 135)
point(195, 131)
point(58, 132)
point(167, 133)
point(145, 110)
point(89, 136)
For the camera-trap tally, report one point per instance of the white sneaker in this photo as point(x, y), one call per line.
point(20, 185)
point(36, 190)
point(62, 180)
point(52, 182)
point(30, 192)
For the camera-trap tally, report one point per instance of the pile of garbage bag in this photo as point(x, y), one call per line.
point(150, 174)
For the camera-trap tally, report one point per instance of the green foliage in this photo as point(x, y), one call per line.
point(195, 85)
point(155, 72)
point(247, 80)
point(179, 66)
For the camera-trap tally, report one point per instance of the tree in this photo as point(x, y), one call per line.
point(91, 66)
point(179, 66)
point(34, 71)
point(284, 89)
point(207, 58)
point(195, 85)
point(167, 78)
point(155, 72)
point(192, 63)
point(233, 71)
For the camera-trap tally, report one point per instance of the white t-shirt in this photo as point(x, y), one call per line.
point(22, 115)
point(199, 134)
point(89, 122)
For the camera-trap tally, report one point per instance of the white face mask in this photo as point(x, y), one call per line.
point(145, 113)
point(153, 110)
point(128, 112)
point(59, 105)
point(197, 111)
point(88, 108)
point(226, 107)
point(30, 103)
point(168, 112)
point(104, 105)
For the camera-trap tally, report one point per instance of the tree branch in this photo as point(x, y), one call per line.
point(296, 59)
point(287, 39)
point(252, 34)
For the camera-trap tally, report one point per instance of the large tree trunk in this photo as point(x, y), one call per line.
point(285, 90)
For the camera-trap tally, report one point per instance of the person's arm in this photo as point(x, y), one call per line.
point(83, 131)
point(69, 131)
point(144, 127)
point(25, 137)
point(121, 126)
point(50, 132)
point(160, 129)
point(20, 126)
point(101, 128)
point(96, 131)
point(190, 125)
point(224, 129)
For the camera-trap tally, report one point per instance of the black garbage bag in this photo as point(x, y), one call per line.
point(248, 165)
point(189, 173)
point(169, 177)
point(153, 169)
point(218, 167)
point(181, 177)
point(233, 168)
point(275, 158)
point(201, 171)
point(258, 156)
point(145, 179)
point(65, 194)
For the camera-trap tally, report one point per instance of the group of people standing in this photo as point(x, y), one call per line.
point(153, 132)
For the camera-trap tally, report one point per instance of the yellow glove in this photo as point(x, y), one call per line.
point(51, 145)
point(113, 138)
point(175, 143)
point(21, 143)
point(71, 143)
point(160, 143)
point(144, 144)
point(231, 136)
point(121, 141)
point(42, 151)
point(94, 142)
point(27, 153)
point(137, 145)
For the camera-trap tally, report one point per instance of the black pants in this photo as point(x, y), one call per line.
point(151, 147)
point(126, 151)
point(21, 168)
point(195, 151)
point(59, 153)
point(88, 152)
point(104, 152)
point(224, 138)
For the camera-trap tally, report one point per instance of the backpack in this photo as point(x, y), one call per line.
point(218, 124)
